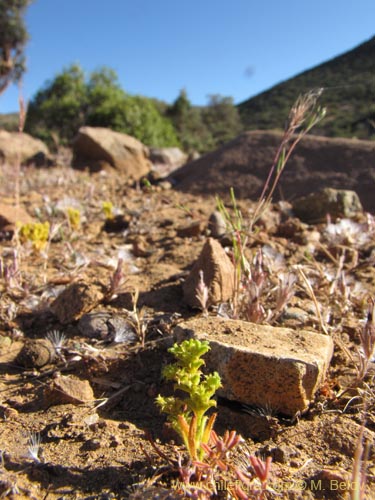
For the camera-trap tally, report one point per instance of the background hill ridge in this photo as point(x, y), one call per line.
point(348, 81)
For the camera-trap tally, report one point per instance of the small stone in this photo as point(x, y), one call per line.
point(10, 413)
point(91, 420)
point(106, 326)
point(76, 300)
point(217, 225)
point(5, 342)
point(295, 313)
point(333, 202)
point(193, 229)
point(263, 365)
point(36, 353)
point(165, 185)
point(114, 441)
point(68, 390)
point(284, 453)
point(91, 445)
point(10, 216)
point(218, 275)
point(166, 160)
point(140, 247)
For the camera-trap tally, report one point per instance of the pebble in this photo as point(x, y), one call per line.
point(218, 275)
point(217, 225)
point(68, 390)
point(36, 354)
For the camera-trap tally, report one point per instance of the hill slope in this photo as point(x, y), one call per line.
point(9, 121)
point(349, 94)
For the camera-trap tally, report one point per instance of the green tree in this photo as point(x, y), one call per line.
point(109, 106)
point(71, 100)
point(13, 38)
point(207, 127)
point(189, 125)
point(59, 108)
point(222, 119)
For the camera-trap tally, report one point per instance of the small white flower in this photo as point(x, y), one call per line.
point(34, 446)
point(57, 339)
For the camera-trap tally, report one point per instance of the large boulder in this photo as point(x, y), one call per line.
point(317, 162)
point(98, 148)
point(16, 147)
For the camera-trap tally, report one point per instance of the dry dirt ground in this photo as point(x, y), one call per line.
point(100, 448)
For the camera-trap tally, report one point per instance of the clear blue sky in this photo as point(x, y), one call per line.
point(234, 48)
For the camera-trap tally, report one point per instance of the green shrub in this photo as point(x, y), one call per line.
point(70, 101)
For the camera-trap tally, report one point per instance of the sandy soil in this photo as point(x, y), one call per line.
point(96, 446)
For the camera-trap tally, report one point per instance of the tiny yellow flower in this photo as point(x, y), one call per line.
point(36, 232)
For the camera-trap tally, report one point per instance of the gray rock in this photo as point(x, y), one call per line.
point(263, 366)
point(333, 202)
point(106, 326)
point(218, 273)
point(98, 148)
point(166, 160)
point(217, 225)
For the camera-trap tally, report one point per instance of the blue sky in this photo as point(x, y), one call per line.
point(234, 48)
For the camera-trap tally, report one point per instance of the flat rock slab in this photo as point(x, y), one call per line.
point(275, 368)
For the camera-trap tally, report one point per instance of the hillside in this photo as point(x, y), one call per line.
point(9, 121)
point(349, 94)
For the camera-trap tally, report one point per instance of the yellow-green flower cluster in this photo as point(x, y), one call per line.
point(107, 208)
point(74, 216)
point(36, 232)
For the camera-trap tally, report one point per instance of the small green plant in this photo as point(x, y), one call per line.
point(188, 414)
point(107, 208)
point(35, 232)
point(74, 218)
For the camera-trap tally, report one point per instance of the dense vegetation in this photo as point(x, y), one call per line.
point(13, 38)
point(349, 95)
point(71, 100)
